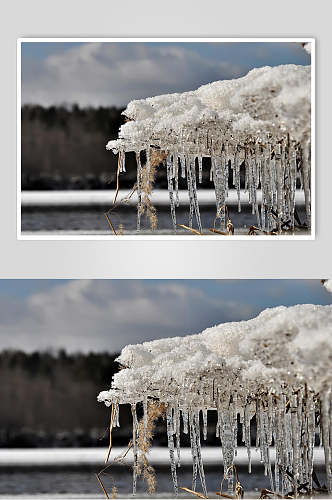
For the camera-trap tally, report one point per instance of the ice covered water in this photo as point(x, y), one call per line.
point(257, 127)
point(276, 367)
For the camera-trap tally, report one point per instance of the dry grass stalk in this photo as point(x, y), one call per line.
point(118, 459)
point(200, 495)
point(102, 486)
point(123, 200)
point(113, 411)
point(110, 223)
point(195, 231)
point(213, 230)
point(117, 178)
point(145, 435)
point(148, 178)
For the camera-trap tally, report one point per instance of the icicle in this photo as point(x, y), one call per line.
point(193, 444)
point(227, 445)
point(192, 180)
point(169, 167)
point(306, 180)
point(177, 432)
point(278, 435)
point(205, 423)
point(170, 432)
point(247, 436)
point(220, 188)
point(292, 173)
point(218, 426)
point(237, 180)
point(148, 166)
point(183, 166)
point(116, 421)
point(279, 180)
point(135, 445)
point(139, 189)
point(122, 161)
point(185, 420)
point(196, 451)
point(145, 416)
point(295, 441)
point(325, 425)
point(264, 449)
point(200, 169)
point(176, 178)
point(190, 193)
point(310, 411)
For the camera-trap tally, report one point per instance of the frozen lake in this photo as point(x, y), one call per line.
point(70, 473)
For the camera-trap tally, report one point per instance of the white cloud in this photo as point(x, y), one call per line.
point(108, 314)
point(94, 74)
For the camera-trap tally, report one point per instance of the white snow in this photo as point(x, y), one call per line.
point(268, 100)
point(258, 125)
point(281, 345)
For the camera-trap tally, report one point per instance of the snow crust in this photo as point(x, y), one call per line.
point(281, 345)
point(267, 101)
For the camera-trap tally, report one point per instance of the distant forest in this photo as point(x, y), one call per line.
point(64, 148)
point(49, 399)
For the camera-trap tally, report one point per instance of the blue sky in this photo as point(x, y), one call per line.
point(93, 74)
point(108, 314)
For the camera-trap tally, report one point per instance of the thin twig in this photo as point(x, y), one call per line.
point(117, 179)
point(200, 495)
point(110, 223)
point(102, 486)
point(190, 229)
point(213, 230)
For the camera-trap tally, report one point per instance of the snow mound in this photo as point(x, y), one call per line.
point(280, 346)
point(258, 126)
point(268, 101)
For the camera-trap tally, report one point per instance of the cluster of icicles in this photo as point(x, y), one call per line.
point(288, 422)
point(274, 168)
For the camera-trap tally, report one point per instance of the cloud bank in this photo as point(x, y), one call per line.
point(104, 74)
point(108, 314)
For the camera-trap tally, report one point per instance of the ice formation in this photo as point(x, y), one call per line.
point(276, 367)
point(257, 127)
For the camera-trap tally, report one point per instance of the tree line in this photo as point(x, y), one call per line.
point(64, 148)
point(50, 399)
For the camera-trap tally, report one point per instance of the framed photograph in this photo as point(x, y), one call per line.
point(166, 138)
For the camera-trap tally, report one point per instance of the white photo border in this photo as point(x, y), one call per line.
point(136, 237)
